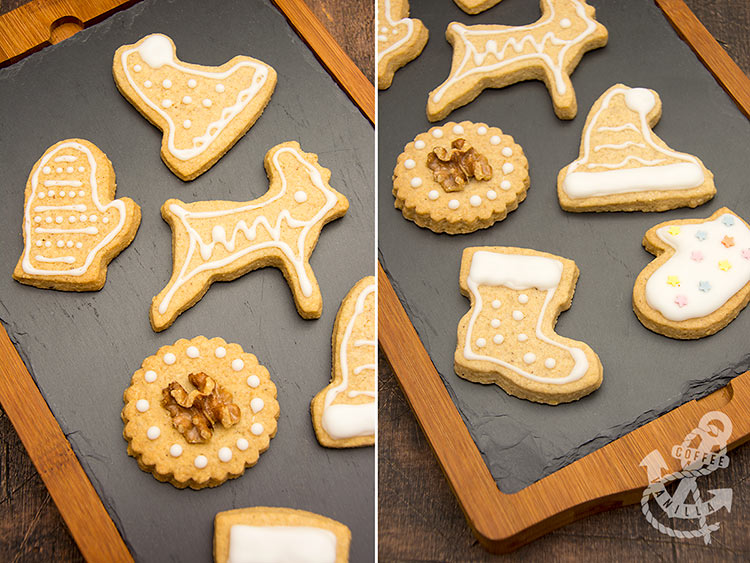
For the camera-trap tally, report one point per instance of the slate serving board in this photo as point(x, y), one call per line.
point(645, 374)
point(83, 348)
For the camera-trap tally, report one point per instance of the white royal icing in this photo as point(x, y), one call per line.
point(153, 432)
point(253, 381)
point(281, 544)
point(150, 376)
point(225, 454)
point(237, 364)
point(519, 272)
point(257, 404)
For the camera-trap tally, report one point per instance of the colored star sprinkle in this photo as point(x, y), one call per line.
point(728, 241)
point(746, 253)
point(728, 220)
point(696, 256)
point(681, 300)
point(674, 230)
point(724, 265)
point(701, 235)
point(704, 286)
point(674, 281)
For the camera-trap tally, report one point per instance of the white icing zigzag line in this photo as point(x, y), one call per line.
point(201, 143)
point(624, 161)
point(409, 30)
point(297, 259)
point(491, 47)
point(119, 205)
point(626, 144)
point(619, 128)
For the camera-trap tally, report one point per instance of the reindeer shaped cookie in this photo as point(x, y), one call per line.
point(223, 240)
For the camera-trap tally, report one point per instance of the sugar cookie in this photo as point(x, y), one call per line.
point(400, 39)
point(475, 6)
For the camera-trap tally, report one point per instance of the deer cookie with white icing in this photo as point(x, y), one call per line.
point(344, 414)
point(700, 279)
point(507, 337)
point(72, 225)
point(495, 56)
point(400, 39)
point(261, 534)
point(223, 240)
point(460, 177)
point(624, 166)
point(199, 412)
point(202, 110)
point(475, 6)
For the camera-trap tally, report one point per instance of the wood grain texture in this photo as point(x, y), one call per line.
point(31, 528)
point(415, 498)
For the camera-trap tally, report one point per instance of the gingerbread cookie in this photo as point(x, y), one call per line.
point(223, 240)
point(199, 412)
point(264, 534)
point(475, 6)
point(700, 279)
point(624, 166)
point(72, 226)
point(345, 413)
point(508, 337)
point(495, 56)
point(400, 39)
point(203, 111)
point(460, 177)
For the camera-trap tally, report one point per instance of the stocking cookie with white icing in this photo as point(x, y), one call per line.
point(475, 6)
point(202, 111)
point(345, 413)
point(400, 39)
point(700, 279)
point(507, 337)
point(199, 412)
point(262, 534)
point(495, 56)
point(72, 226)
point(460, 177)
point(624, 166)
point(223, 240)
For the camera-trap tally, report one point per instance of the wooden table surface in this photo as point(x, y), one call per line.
point(31, 529)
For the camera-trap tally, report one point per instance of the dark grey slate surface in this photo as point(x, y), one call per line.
point(645, 374)
point(83, 348)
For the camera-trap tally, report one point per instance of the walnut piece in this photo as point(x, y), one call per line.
point(453, 168)
point(194, 414)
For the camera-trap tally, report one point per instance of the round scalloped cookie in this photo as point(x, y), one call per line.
point(482, 202)
point(163, 451)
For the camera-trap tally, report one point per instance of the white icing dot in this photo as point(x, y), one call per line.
point(187, 123)
point(192, 352)
point(495, 323)
point(192, 83)
point(395, 32)
point(419, 144)
point(71, 194)
point(92, 218)
point(79, 245)
point(491, 195)
point(81, 169)
point(58, 170)
point(167, 83)
point(220, 352)
point(48, 244)
point(453, 204)
point(242, 444)
point(481, 130)
point(219, 88)
point(62, 193)
point(41, 195)
point(437, 133)
point(72, 219)
point(200, 461)
point(507, 151)
point(150, 376)
point(505, 185)
point(81, 192)
point(458, 130)
point(37, 219)
point(433, 195)
point(105, 220)
point(166, 103)
point(529, 358)
point(481, 343)
point(51, 193)
point(206, 103)
point(253, 381)
point(475, 201)
point(225, 454)
point(186, 99)
point(153, 432)
point(69, 170)
point(137, 68)
point(69, 244)
point(142, 405)
point(498, 339)
point(495, 140)
point(496, 304)
point(522, 337)
point(507, 168)
point(549, 363)
point(169, 358)
point(60, 243)
point(48, 220)
point(523, 298)
point(39, 243)
point(238, 364)
point(257, 429)
point(416, 182)
point(148, 84)
point(46, 169)
point(58, 219)
point(175, 450)
point(300, 196)
point(409, 164)
point(565, 23)
point(257, 404)
point(517, 315)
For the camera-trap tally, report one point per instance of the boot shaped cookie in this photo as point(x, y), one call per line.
point(700, 279)
point(344, 413)
point(400, 39)
point(624, 166)
point(223, 240)
point(72, 227)
point(203, 111)
point(508, 337)
point(495, 56)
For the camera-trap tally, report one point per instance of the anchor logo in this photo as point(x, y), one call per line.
point(702, 452)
